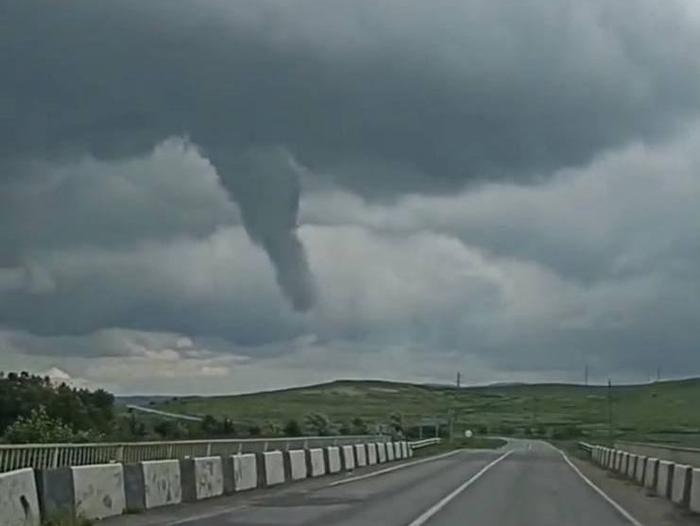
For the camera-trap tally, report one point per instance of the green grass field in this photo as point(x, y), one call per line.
point(664, 411)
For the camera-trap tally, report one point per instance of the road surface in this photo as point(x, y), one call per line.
point(526, 484)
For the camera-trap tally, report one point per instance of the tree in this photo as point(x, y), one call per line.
point(359, 427)
point(292, 428)
point(210, 426)
point(396, 423)
point(317, 424)
point(40, 428)
point(254, 430)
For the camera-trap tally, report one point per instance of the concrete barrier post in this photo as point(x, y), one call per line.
point(371, 453)
point(651, 473)
point(297, 464)
point(680, 488)
point(624, 460)
point(640, 470)
point(695, 491)
point(271, 468)
point(202, 478)
point(397, 451)
point(348, 458)
point(631, 465)
point(245, 472)
point(381, 452)
point(360, 455)
point(99, 490)
point(19, 499)
point(316, 466)
point(389, 451)
point(404, 449)
point(664, 478)
point(152, 484)
point(332, 456)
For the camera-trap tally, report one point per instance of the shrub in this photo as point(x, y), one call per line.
point(40, 428)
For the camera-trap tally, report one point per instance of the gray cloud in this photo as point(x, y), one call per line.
point(514, 186)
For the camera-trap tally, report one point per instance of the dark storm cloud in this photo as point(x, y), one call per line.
point(461, 171)
point(382, 97)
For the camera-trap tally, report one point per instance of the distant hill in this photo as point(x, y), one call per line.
point(665, 411)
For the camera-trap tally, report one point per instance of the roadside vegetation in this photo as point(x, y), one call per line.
point(660, 412)
point(34, 409)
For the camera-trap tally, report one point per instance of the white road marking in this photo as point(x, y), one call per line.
point(622, 511)
point(430, 512)
point(394, 468)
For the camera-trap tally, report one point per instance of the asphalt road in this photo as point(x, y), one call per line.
point(526, 484)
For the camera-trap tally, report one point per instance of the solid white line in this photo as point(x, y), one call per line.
point(622, 511)
point(394, 468)
point(430, 512)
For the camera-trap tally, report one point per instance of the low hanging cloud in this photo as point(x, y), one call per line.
point(511, 183)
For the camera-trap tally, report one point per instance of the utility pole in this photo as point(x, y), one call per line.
point(459, 380)
point(610, 414)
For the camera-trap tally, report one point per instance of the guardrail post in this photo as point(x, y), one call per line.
point(54, 457)
point(119, 454)
point(208, 449)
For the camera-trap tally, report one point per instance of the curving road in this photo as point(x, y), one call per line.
point(528, 483)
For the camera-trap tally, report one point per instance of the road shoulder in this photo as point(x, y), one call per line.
point(646, 507)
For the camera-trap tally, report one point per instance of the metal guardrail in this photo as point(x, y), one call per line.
point(424, 443)
point(58, 455)
point(585, 446)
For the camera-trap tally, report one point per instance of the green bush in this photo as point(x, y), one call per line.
point(40, 428)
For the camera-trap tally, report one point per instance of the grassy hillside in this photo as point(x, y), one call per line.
point(665, 411)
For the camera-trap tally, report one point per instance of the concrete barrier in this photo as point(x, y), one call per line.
point(271, 468)
point(680, 488)
point(316, 465)
point(19, 500)
point(99, 490)
point(619, 464)
point(55, 491)
point(348, 458)
point(613, 459)
point(676, 454)
point(664, 478)
point(245, 472)
point(371, 453)
point(651, 473)
point(297, 464)
point(381, 452)
point(640, 469)
point(398, 452)
point(333, 462)
point(389, 451)
point(360, 455)
point(617, 458)
point(202, 478)
point(152, 484)
point(631, 465)
point(695, 491)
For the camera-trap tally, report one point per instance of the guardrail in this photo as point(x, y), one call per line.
point(585, 446)
point(424, 443)
point(40, 456)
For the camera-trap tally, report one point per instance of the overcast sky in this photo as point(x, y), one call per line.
point(211, 196)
